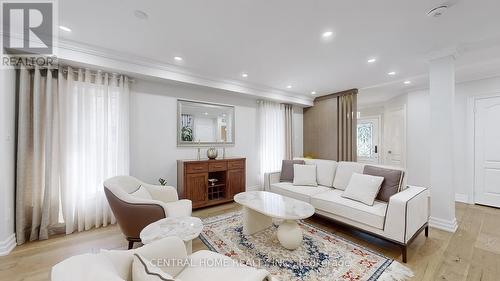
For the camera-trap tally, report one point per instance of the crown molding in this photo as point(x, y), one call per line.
point(140, 67)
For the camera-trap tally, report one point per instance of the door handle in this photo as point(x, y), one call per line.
point(389, 151)
point(376, 149)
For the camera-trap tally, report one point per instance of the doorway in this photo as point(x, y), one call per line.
point(487, 151)
point(395, 137)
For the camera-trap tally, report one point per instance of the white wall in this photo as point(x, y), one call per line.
point(419, 139)
point(298, 131)
point(7, 159)
point(154, 150)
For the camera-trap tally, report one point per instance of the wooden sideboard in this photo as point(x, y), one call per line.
point(193, 180)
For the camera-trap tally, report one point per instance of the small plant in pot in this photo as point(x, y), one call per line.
point(162, 182)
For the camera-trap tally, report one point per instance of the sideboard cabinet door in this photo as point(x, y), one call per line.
point(236, 182)
point(196, 186)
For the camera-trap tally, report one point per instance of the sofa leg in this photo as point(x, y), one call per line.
point(404, 252)
point(426, 231)
point(130, 245)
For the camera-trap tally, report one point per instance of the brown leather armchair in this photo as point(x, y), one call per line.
point(136, 204)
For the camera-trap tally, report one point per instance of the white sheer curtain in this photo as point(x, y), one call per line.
point(272, 136)
point(72, 134)
point(94, 144)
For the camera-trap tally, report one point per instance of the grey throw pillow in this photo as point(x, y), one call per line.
point(287, 169)
point(391, 184)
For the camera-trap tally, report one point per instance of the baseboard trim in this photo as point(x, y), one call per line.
point(461, 197)
point(254, 188)
point(7, 245)
point(446, 225)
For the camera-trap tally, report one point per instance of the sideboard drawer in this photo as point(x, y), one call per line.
point(196, 168)
point(235, 164)
point(217, 166)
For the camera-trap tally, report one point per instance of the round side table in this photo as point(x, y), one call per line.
point(186, 228)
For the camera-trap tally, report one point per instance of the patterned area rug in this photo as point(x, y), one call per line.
point(322, 256)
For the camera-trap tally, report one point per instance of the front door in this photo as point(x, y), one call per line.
point(394, 137)
point(368, 142)
point(487, 151)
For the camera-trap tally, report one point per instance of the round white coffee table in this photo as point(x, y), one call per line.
point(186, 228)
point(260, 207)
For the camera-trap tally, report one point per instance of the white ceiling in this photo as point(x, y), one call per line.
point(279, 42)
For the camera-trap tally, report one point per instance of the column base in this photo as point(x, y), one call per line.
point(446, 225)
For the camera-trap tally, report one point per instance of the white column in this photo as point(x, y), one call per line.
point(442, 103)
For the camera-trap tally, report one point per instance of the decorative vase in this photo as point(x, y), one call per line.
point(212, 153)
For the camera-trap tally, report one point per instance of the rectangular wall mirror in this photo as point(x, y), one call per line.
point(204, 123)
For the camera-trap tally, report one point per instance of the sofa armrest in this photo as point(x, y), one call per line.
point(271, 178)
point(407, 212)
point(165, 194)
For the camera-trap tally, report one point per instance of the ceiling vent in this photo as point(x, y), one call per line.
point(437, 11)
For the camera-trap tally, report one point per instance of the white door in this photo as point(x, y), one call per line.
point(395, 137)
point(487, 151)
point(368, 139)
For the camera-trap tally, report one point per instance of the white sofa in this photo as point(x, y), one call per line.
point(400, 220)
point(172, 258)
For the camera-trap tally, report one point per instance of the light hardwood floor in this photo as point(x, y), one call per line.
point(472, 253)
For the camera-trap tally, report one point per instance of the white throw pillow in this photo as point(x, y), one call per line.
point(363, 188)
point(344, 173)
point(304, 175)
point(144, 270)
point(325, 170)
point(142, 193)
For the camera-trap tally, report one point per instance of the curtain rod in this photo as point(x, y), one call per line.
point(64, 69)
point(94, 72)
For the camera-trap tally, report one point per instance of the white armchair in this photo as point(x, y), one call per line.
point(171, 258)
point(136, 204)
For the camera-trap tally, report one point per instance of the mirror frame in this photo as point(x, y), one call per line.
point(181, 143)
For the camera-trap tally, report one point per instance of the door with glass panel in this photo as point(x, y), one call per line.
point(368, 139)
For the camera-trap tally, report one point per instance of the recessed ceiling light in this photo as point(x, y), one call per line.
point(141, 15)
point(178, 59)
point(392, 73)
point(67, 29)
point(244, 75)
point(289, 86)
point(372, 60)
point(313, 92)
point(327, 34)
point(407, 82)
point(206, 113)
